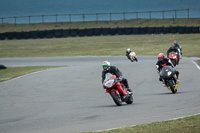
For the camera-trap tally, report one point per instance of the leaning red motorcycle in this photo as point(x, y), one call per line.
point(173, 57)
point(115, 88)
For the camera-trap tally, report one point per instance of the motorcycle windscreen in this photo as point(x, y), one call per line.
point(167, 71)
point(108, 76)
point(132, 54)
point(173, 53)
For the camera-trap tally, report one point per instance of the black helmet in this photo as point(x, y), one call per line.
point(173, 46)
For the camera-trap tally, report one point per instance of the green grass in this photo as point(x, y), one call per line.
point(12, 72)
point(198, 62)
point(93, 24)
point(100, 45)
point(183, 125)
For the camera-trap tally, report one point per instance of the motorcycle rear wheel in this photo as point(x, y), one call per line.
point(116, 98)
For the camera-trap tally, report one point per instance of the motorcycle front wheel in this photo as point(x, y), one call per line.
point(136, 59)
point(171, 85)
point(173, 62)
point(116, 98)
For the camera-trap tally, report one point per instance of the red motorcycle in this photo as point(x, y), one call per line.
point(116, 90)
point(173, 57)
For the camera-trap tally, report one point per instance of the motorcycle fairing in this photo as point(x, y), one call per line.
point(164, 64)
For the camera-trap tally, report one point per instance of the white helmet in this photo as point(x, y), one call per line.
point(128, 50)
point(106, 65)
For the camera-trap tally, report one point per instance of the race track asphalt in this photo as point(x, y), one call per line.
point(72, 99)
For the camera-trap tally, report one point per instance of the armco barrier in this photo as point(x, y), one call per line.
point(105, 31)
point(158, 30)
point(143, 30)
point(42, 34)
point(166, 30)
point(82, 32)
point(10, 35)
point(90, 32)
point(181, 30)
point(50, 33)
point(196, 29)
point(128, 31)
point(120, 31)
point(74, 32)
point(34, 34)
point(26, 35)
point(2, 36)
point(136, 30)
point(188, 30)
point(65, 33)
point(97, 31)
point(58, 33)
point(113, 31)
point(151, 30)
point(173, 29)
point(18, 35)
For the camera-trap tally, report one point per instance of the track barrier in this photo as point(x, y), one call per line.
point(105, 31)
point(58, 33)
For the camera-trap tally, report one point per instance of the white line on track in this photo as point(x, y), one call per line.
point(196, 64)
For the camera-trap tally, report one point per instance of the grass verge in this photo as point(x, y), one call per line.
point(100, 45)
point(12, 72)
point(198, 62)
point(184, 125)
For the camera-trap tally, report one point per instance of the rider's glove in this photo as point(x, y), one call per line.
point(120, 78)
point(104, 87)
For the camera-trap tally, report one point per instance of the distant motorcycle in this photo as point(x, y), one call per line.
point(169, 78)
point(180, 51)
point(110, 83)
point(173, 57)
point(133, 57)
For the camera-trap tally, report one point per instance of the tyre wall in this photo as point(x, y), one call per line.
point(58, 33)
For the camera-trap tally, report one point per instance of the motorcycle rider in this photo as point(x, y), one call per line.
point(173, 48)
point(178, 47)
point(107, 68)
point(163, 61)
point(128, 51)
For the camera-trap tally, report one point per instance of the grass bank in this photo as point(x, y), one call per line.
point(6, 27)
point(12, 72)
point(100, 45)
point(198, 62)
point(183, 125)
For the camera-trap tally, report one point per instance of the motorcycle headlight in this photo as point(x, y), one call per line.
point(109, 83)
point(174, 57)
point(169, 73)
